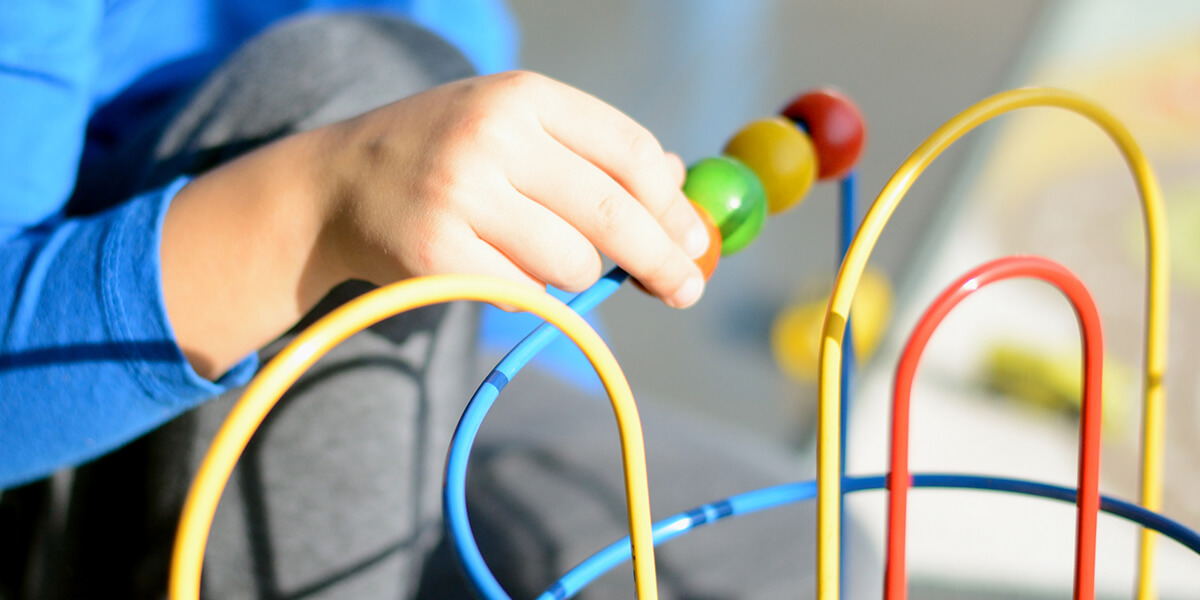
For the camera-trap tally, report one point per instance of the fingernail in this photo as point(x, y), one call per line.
point(689, 293)
point(696, 242)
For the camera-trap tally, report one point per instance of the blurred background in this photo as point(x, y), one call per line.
point(694, 72)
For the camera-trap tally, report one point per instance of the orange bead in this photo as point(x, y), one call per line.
point(708, 261)
point(782, 156)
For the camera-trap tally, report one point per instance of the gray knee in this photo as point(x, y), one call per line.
point(345, 64)
point(304, 73)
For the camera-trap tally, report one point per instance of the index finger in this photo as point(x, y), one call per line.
point(609, 217)
point(629, 154)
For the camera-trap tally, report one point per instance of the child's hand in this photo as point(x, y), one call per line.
point(514, 175)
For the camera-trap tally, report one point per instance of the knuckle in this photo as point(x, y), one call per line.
point(472, 125)
point(518, 82)
point(643, 146)
point(676, 168)
point(523, 78)
point(435, 189)
point(610, 213)
point(662, 274)
point(577, 267)
point(680, 215)
point(427, 256)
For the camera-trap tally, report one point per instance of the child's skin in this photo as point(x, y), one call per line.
point(513, 175)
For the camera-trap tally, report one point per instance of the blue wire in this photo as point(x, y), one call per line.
point(743, 504)
point(847, 219)
point(672, 527)
point(454, 494)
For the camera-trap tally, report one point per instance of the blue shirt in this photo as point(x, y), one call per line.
point(88, 359)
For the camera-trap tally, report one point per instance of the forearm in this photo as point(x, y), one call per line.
point(239, 253)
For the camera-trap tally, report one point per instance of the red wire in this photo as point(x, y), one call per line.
point(1088, 496)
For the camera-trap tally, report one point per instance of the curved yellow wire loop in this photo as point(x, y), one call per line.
point(266, 389)
point(828, 517)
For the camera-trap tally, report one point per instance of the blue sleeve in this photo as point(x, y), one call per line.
point(88, 359)
point(48, 61)
point(484, 30)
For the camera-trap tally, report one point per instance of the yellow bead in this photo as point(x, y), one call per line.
point(796, 330)
point(782, 156)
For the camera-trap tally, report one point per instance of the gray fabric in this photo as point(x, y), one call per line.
point(310, 72)
point(338, 495)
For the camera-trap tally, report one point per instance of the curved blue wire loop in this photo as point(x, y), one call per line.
point(454, 493)
point(750, 502)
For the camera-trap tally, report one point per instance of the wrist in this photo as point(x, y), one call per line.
point(240, 253)
point(315, 197)
point(342, 160)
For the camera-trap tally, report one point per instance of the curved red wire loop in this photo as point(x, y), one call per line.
point(1088, 494)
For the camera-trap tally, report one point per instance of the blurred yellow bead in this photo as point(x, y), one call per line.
point(796, 331)
point(1050, 379)
point(782, 156)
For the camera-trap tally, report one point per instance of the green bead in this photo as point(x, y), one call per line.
point(732, 195)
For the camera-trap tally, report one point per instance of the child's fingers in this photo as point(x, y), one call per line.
point(537, 240)
point(677, 169)
point(629, 154)
point(607, 215)
point(473, 255)
point(681, 216)
point(478, 257)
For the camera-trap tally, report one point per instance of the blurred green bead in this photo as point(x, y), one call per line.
point(733, 197)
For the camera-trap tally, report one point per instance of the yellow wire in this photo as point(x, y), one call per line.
point(829, 491)
point(201, 504)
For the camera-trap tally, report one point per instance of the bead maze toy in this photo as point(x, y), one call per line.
point(765, 168)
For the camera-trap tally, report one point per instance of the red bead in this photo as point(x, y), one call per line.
point(836, 127)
